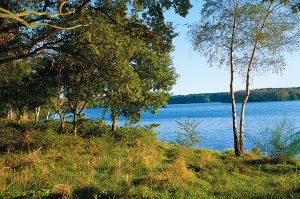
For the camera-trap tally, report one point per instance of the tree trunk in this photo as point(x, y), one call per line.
point(114, 120)
point(234, 123)
point(20, 115)
point(37, 113)
point(246, 97)
point(62, 121)
point(242, 116)
point(247, 90)
point(9, 114)
point(48, 113)
point(75, 122)
point(232, 96)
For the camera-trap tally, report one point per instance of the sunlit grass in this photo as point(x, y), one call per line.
point(142, 167)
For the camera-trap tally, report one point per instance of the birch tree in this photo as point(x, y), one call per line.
point(248, 38)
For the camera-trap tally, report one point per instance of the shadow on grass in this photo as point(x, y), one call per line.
point(80, 193)
point(272, 161)
point(93, 192)
point(50, 196)
point(282, 195)
point(274, 166)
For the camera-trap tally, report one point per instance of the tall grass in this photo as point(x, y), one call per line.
point(131, 163)
point(281, 141)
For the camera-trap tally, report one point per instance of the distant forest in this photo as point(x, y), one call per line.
point(257, 95)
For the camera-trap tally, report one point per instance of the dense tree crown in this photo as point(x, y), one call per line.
point(64, 55)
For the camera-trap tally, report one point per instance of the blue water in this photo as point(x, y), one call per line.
point(215, 120)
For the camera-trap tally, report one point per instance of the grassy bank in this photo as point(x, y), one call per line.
point(38, 162)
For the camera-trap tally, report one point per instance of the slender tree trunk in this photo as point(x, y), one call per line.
point(232, 95)
point(20, 115)
point(114, 120)
point(234, 119)
point(242, 116)
point(7, 114)
point(62, 121)
point(246, 97)
point(247, 90)
point(37, 113)
point(11, 114)
point(48, 113)
point(75, 122)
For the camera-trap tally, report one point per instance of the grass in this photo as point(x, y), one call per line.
point(38, 162)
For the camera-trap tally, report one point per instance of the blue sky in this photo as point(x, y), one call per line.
point(195, 75)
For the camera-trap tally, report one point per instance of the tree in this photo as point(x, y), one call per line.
point(29, 28)
point(74, 86)
point(124, 47)
point(13, 89)
point(248, 37)
point(21, 16)
point(32, 27)
point(131, 72)
point(26, 85)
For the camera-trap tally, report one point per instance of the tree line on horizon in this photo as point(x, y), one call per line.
point(256, 95)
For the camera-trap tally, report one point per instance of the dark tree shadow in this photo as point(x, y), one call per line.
point(279, 165)
point(273, 161)
point(93, 192)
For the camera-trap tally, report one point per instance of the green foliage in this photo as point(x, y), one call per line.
point(123, 45)
point(189, 136)
point(14, 139)
point(281, 141)
point(127, 136)
point(9, 138)
point(90, 129)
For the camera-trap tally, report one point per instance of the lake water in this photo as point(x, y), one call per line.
point(215, 120)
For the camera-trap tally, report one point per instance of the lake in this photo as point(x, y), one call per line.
point(215, 120)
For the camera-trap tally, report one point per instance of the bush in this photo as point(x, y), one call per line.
point(51, 124)
point(46, 139)
point(189, 135)
point(9, 138)
point(89, 129)
point(281, 141)
point(129, 135)
point(27, 136)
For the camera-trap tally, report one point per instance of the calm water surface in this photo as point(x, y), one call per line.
point(215, 120)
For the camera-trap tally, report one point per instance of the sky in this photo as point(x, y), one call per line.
point(195, 75)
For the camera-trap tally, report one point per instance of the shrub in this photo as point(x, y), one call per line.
point(281, 141)
point(51, 124)
point(9, 139)
point(35, 139)
point(89, 129)
point(129, 135)
point(46, 139)
point(189, 135)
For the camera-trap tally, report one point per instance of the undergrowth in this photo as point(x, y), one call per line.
point(37, 161)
